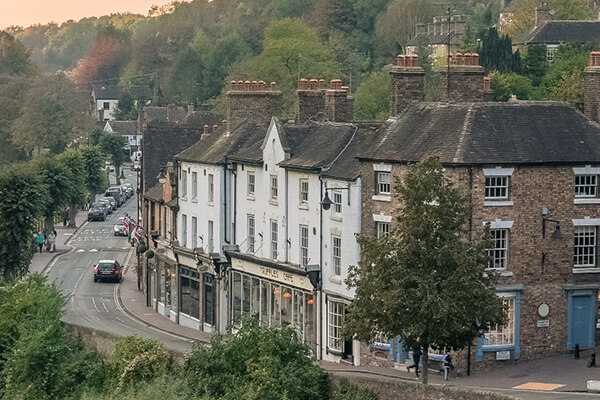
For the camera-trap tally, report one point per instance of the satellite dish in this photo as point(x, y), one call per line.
point(551, 12)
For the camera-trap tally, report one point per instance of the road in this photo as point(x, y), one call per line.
point(95, 304)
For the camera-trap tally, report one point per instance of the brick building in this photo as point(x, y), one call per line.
point(531, 170)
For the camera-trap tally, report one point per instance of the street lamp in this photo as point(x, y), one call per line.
point(557, 235)
point(326, 202)
point(121, 176)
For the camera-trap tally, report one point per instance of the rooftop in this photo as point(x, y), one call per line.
point(563, 31)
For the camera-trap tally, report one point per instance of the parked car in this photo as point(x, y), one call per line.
point(121, 192)
point(112, 201)
point(105, 203)
point(119, 228)
point(116, 194)
point(126, 191)
point(108, 269)
point(129, 188)
point(96, 213)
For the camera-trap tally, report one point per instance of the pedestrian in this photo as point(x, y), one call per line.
point(65, 216)
point(40, 240)
point(50, 241)
point(416, 350)
point(447, 365)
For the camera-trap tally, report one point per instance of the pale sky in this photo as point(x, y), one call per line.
point(28, 12)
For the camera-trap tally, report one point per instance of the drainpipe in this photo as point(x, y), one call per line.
point(225, 210)
point(287, 221)
point(234, 199)
point(320, 287)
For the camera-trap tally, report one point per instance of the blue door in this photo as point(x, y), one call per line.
point(581, 321)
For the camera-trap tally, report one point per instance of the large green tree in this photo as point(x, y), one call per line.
point(96, 179)
point(23, 197)
point(74, 161)
point(564, 80)
point(53, 115)
point(112, 145)
point(428, 280)
point(372, 98)
point(496, 53)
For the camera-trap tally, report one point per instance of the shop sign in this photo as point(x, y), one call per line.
point(503, 355)
point(273, 274)
point(543, 323)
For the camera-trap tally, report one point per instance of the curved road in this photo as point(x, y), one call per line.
point(95, 304)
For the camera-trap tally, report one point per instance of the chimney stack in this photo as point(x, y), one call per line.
point(205, 132)
point(421, 29)
point(254, 101)
point(591, 88)
point(339, 106)
point(314, 97)
point(542, 14)
point(407, 82)
point(462, 81)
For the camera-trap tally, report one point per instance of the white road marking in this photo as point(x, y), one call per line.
point(93, 250)
point(95, 306)
point(80, 251)
point(104, 305)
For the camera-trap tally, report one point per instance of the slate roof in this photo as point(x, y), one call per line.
point(563, 31)
point(175, 114)
point(214, 148)
point(489, 133)
point(105, 92)
point(124, 127)
point(155, 193)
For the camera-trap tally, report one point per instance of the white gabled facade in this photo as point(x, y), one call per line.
point(281, 229)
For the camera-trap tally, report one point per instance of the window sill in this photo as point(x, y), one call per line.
point(211, 204)
point(183, 199)
point(589, 200)
point(194, 201)
point(337, 218)
point(335, 279)
point(497, 347)
point(501, 272)
point(303, 206)
point(586, 270)
point(382, 197)
point(497, 203)
point(250, 197)
point(274, 202)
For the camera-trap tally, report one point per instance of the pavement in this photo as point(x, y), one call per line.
point(559, 377)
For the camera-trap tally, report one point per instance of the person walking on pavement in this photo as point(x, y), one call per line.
point(51, 246)
point(447, 365)
point(40, 241)
point(416, 358)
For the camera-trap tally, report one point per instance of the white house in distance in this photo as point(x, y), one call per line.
point(293, 254)
point(129, 130)
point(105, 99)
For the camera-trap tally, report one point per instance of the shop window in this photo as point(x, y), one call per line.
point(236, 302)
point(265, 289)
point(190, 297)
point(255, 302)
point(246, 284)
point(335, 321)
point(209, 300)
point(502, 335)
point(286, 306)
point(275, 304)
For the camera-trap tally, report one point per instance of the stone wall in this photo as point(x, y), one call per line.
point(407, 86)
point(592, 88)
point(252, 101)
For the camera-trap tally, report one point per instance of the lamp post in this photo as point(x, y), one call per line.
point(557, 235)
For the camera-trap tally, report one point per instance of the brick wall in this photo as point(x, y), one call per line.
point(531, 188)
point(592, 88)
point(315, 98)
point(252, 101)
point(407, 85)
point(465, 83)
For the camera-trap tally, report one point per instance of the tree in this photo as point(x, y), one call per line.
point(52, 116)
point(290, 48)
point(112, 145)
point(372, 98)
point(564, 80)
point(126, 109)
point(58, 178)
point(14, 57)
point(73, 160)
point(536, 62)
point(504, 85)
point(496, 53)
point(22, 200)
point(428, 280)
point(257, 362)
point(96, 180)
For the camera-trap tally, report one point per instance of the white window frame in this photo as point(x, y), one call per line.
point(551, 51)
point(503, 335)
point(211, 188)
point(274, 239)
point(336, 255)
point(303, 191)
point(303, 245)
point(499, 253)
point(194, 232)
point(384, 182)
point(194, 185)
point(383, 229)
point(184, 183)
point(497, 183)
point(251, 188)
point(589, 185)
point(211, 237)
point(274, 187)
point(337, 201)
point(183, 230)
point(251, 233)
point(585, 251)
point(335, 322)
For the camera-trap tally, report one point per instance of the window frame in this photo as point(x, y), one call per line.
point(303, 191)
point(274, 192)
point(578, 230)
point(381, 186)
point(183, 183)
point(500, 330)
point(303, 242)
point(211, 188)
point(336, 255)
point(194, 185)
point(251, 230)
point(491, 252)
point(274, 239)
point(184, 230)
point(488, 188)
point(593, 186)
point(382, 232)
point(251, 183)
point(337, 200)
point(211, 237)
point(335, 323)
point(194, 232)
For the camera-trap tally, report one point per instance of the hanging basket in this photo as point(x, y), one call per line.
point(141, 248)
point(149, 254)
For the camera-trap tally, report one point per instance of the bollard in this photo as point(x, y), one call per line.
point(577, 351)
point(592, 362)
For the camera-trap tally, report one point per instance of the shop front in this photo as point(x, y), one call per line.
point(274, 293)
point(163, 291)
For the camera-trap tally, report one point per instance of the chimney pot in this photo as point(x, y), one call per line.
point(205, 132)
point(247, 85)
point(474, 59)
point(400, 60)
point(459, 59)
point(467, 59)
point(303, 84)
point(313, 84)
point(335, 84)
point(486, 83)
point(262, 85)
point(322, 84)
point(415, 60)
point(233, 85)
point(215, 127)
point(273, 84)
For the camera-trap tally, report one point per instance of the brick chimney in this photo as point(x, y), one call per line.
point(458, 24)
point(465, 81)
point(339, 106)
point(421, 29)
point(407, 82)
point(254, 101)
point(592, 88)
point(542, 14)
point(488, 93)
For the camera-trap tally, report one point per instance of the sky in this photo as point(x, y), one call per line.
point(28, 12)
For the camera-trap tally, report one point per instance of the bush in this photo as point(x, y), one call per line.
point(349, 391)
point(372, 99)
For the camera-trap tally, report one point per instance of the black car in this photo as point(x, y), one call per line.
point(116, 194)
point(108, 269)
point(96, 213)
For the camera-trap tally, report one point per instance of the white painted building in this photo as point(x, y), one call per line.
point(105, 99)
